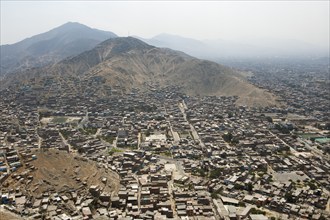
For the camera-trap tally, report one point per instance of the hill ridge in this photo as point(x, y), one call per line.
point(49, 47)
point(130, 63)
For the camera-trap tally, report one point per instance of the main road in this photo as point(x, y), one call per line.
point(183, 107)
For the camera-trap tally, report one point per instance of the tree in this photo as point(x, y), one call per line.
point(223, 155)
point(230, 114)
point(234, 140)
point(327, 126)
point(200, 172)
point(322, 217)
point(227, 137)
point(148, 132)
point(257, 211)
point(214, 195)
point(215, 173)
point(269, 119)
point(249, 187)
point(241, 204)
point(289, 198)
point(238, 186)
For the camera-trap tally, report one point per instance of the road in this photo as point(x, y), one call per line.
point(307, 145)
point(66, 143)
point(291, 148)
point(139, 140)
point(175, 134)
point(139, 190)
point(83, 121)
point(194, 133)
point(97, 133)
point(172, 200)
point(314, 149)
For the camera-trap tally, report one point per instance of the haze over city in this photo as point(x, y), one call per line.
point(240, 21)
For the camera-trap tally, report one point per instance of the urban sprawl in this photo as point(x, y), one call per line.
point(173, 155)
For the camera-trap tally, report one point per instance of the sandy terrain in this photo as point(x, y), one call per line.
point(60, 171)
point(7, 215)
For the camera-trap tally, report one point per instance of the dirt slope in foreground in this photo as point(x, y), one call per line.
point(60, 171)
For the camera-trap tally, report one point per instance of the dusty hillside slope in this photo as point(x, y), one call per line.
point(60, 171)
point(130, 63)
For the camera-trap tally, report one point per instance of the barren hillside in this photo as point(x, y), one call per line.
point(59, 171)
point(130, 63)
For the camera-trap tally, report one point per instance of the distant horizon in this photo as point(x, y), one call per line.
point(156, 35)
point(304, 21)
point(211, 47)
point(171, 34)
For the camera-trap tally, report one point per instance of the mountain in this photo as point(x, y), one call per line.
point(125, 63)
point(242, 48)
point(66, 40)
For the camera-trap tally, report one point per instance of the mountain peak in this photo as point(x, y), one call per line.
point(128, 42)
point(72, 25)
point(121, 45)
point(69, 39)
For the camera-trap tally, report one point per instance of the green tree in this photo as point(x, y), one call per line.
point(227, 137)
point(249, 187)
point(269, 119)
point(289, 198)
point(215, 173)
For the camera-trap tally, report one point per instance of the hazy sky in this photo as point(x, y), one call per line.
point(301, 20)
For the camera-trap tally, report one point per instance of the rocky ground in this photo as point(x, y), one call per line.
point(60, 171)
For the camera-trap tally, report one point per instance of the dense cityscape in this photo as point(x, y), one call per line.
point(163, 154)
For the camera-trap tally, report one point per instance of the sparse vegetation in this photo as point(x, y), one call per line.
point(114, 150)
point(88, 131)
point(257, 211)
point(241, 204)
point(229, 138)
point(238, 186)
point(215, 173)
point(199, 172)
point(59, 120)
point(65, 133)
point(128, 147)
point(289, 198)
point(108, 139)
point(249, 187)
point(215, 194)
point(166, 153)
point(282, 128)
